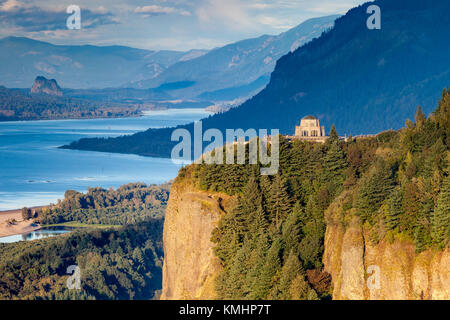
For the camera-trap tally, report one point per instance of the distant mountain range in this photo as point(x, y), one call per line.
point(86, 66)
point(237, 70)
point(363, 81)
point(243, 67)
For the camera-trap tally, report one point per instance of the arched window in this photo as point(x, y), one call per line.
point(305, 133)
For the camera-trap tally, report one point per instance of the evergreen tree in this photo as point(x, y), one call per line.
point(333, 137)
point(334, 165)
point(442, 116)
point(373, 189)
point(271, 267)
point(292, 229)
point(299, 288)
point(420, 118)
point(394, 209)
point(281, 202)
point(289, 272)
point(440, 219)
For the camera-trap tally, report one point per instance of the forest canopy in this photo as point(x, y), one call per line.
point(128, 204)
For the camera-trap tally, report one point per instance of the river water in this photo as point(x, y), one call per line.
point(38, 234)
point(34, 172)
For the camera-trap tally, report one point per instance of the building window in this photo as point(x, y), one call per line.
point(314, 133)
point(305, 133)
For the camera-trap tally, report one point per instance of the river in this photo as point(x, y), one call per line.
point(34, 172)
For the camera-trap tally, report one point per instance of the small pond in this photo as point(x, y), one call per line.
point(37, 234)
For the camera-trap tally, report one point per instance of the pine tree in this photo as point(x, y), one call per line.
point(299, 288)
point(373, 189)
point(290, 270)
point(266, 191)
point(281, 202)
point(420, 118)
point(333, 137)
point(334, 165)
point(442, 116)
point(292, 229)
point(257, 262)
point(394, 209)
point(440, 219)
point(271, 266)
point(249, 203)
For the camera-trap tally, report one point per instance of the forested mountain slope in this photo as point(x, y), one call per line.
point(237, 64)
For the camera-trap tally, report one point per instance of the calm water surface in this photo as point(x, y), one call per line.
point(38, 234)
point(34, 172)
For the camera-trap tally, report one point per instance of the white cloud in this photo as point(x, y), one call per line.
point(10, 5)
point(275, 22)
point(330, 7)
point(155, 10)
point(231, 13)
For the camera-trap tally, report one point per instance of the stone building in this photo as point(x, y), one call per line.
point(310, 129)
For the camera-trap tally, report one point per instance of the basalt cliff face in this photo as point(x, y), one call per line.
point(190, 266)
point(352, 260)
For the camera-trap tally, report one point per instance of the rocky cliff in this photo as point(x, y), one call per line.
point(190, 265)
point(355, 264)
point(44, 85)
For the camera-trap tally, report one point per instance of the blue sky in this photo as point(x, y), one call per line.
point(161, 24)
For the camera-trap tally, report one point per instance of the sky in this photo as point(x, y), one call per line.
point(161, 24)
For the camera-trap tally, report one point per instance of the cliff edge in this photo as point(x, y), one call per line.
point(190, 266)
point(352, 260)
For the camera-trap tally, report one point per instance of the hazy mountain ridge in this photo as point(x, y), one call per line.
point(82, 66)
point(238, 64)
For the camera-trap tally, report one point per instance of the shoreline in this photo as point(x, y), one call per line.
point(20, 227)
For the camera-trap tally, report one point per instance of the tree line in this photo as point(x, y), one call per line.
point(128, 204)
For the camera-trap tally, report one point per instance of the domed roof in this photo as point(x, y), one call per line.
point(309, 118)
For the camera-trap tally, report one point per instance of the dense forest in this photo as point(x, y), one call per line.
point(128, 204)
point(116, 263)
point(16, 104)
point(122, 263)
point(271, 244)
point(364, 81)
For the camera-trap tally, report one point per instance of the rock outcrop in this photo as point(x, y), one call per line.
point(44, 85)
point(190, 266)
point(354, 263)
point(360, 269)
